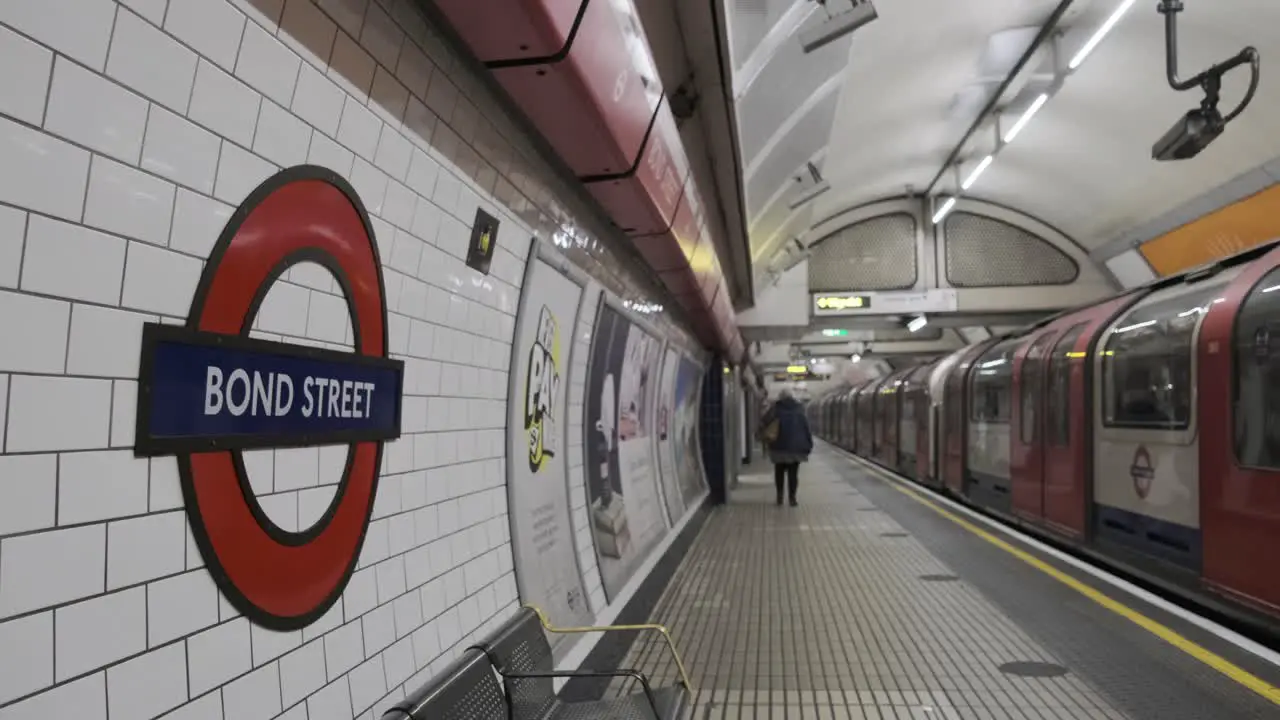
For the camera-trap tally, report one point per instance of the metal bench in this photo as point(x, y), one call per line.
point(522, 655)
point(511, 676)
point(469, 689)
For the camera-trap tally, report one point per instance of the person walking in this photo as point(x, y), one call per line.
point(785, 431)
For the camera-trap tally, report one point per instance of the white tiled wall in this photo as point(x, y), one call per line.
point(129, 131)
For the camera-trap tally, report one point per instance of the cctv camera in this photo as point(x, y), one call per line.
point(1189, 135)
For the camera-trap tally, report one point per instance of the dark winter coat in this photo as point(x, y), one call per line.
point(794, 441)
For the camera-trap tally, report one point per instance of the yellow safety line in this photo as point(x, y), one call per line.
point(1208, 657)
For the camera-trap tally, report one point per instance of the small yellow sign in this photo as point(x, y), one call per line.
point(843, 302)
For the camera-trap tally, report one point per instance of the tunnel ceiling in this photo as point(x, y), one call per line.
point(880, 110)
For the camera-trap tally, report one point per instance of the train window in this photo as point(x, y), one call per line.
point(991, 387)
point(1257, 371)
point(1032, 368)
point(1146, 366)
point(1059, 400)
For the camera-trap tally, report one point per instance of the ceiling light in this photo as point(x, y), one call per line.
point(1026, 117)
point(942, 211)
point(917, 323)
point(973, 176)
point(1101, 33)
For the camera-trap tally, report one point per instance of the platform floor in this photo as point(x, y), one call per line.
point(865, 603)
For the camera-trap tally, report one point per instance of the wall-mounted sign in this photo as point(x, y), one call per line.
point(885, 303)
point(484, 240)
point(841, 302)
point(206, 391)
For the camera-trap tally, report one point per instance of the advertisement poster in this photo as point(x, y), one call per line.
point(671, 488)
point(622, 485)
point(537, 477)
point(688, 456)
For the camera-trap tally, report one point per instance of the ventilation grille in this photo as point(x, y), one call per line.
point(875, 254)
point(985, 252)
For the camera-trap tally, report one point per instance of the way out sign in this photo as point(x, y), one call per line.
point(207, 391)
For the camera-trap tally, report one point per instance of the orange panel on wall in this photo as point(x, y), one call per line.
point(1221, 233)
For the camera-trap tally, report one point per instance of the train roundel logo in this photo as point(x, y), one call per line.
point(1142, 472)
point(208, 392)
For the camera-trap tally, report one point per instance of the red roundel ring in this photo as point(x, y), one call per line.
point(279, 579)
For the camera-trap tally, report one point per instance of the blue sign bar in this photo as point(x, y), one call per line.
point(204, 391)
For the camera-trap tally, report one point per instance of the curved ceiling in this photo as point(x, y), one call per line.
point(881, 109)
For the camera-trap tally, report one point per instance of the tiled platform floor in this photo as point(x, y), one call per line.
point(821, 611)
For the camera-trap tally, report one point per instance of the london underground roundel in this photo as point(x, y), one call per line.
point(207, 392)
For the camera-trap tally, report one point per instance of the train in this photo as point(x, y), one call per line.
point(1141, 432)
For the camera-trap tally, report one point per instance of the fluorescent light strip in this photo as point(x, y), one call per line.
point(973, 176)
point(1026, 117)
point(1101, 33)
point(942, 211)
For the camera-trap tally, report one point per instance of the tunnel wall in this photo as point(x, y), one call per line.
point(128, 139)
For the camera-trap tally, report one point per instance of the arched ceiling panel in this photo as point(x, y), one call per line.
point(749, 22)
point(785, 159)
point(782, 87)
point(1084, 162)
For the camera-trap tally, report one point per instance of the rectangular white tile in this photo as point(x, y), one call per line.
point(26, 656)
point(72, 261)
point(180, 605)
point(359, 129)
point(86, 39)
point(82, 699)
point(239, 172)
point(100, 631)
point(124, 400)
point(255, 696)
point(224, 105)
point(96, 486)
point(180, 150)
point(282, 138)
point(219, 654)
point(22, 94)
point(35, 330)
point(28, 492)
point(152, 63)
point(212, 28)
point(159, 280)
point(42, 173)
point(54, 413)
point(145, 548)
point(49, 568)
point(333, 702)
point(128, 202)
point(267, 65)
point(149, 685)
point(197, 223)
point(88, 109)
point(104, 341)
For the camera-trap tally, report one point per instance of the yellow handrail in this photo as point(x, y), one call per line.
point(546, 625)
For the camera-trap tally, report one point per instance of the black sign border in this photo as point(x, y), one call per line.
point(477, 260)
point(146, 445)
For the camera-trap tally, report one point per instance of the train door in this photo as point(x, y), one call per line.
point(848, 407)
point(1061, 477)
point(1026, 469)
point(889, 420)
point(1239, 396)
point(955, 421)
